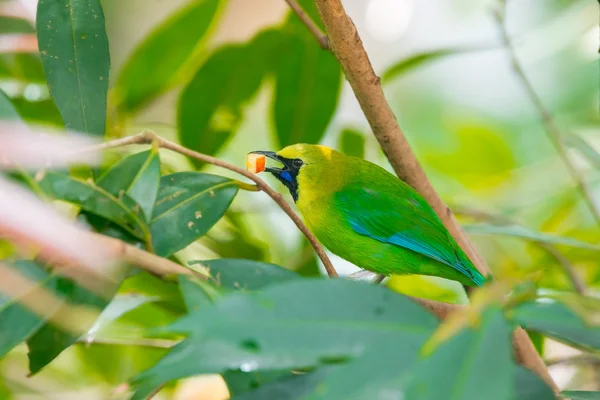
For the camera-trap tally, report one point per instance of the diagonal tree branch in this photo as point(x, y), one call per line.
point(347, 46)
point(310, 24)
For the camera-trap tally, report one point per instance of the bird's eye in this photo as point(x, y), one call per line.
point(297, 162)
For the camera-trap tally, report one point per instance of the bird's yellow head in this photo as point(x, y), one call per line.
point(302, 162)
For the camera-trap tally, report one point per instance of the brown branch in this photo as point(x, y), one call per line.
point(568, 268)
point(148, 137)
point(347, 46)
point(310, 24)
point(554, 133)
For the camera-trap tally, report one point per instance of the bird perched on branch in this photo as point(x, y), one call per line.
point(367, 216)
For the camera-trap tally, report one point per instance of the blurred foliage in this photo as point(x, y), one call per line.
point(265, 319)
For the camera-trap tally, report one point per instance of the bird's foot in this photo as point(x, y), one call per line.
point(359, 275)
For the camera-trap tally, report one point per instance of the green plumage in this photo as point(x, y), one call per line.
point(364, 214)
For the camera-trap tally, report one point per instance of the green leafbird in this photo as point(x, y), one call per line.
point(367, 216)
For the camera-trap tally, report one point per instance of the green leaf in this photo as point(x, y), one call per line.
point(187, 206)
point(524, 233)
point(241, 274)
point(301, 323)
point(239, 382)
point(138, 175)
point(352, 143)
point(293, 387)
point(211, 106)
point(584, 147)
point(307, 87)
point(50, 340)
point(123, 211)
point(528, 386)
point(481, 364)
point(74, 49)
point(581, 395)
point(23, 67)
point(43, 111)
point(22, 322)
point(15, 25)
point(196, 293)
point(417, 60)
point(148, 72)
point(7, 111)
point(555, 320)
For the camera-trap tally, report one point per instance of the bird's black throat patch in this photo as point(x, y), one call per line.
point(289, 177)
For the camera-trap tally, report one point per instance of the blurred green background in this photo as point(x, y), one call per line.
point(464, 111)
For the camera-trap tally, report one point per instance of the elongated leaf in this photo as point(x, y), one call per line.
point(211, 106)
point(196, 293)
point(74, 48)
point(307, 87)
point(187, 206)
point(417, 60)
point(124, 211)
point(524, 233)
point(22, 322)
point(554, 319)
point(352, 143)
point(267, 330)
point(528, 386)
point(239, 382)
point(51, 340)
point(581, 395)
point(482, 367)
point(584, 147)
point(241, 274)
point(42, 112)
point(289, 388)
point(138, 175)
point(148, 73)
point(7, 111)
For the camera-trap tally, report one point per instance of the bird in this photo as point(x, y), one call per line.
point(367, 216)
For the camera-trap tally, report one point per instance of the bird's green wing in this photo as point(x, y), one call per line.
point(404, 220)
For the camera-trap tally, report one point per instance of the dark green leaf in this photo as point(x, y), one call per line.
point(7, 111)
point(211, 105)
point(481, 365)
point(528, 386)
point(187, 206)
point(294, 324)
point(352, 143)
point(196, 293)
point(584, 147)
point(241, 274)
point(307, 86)
point(43, 111)
point(554, 319)
point(524, 233)
point(148, 72)
point(581, 395)
point(239, 382)
point(138, 175)
point(294, 387)
point(15, 25)
point(417, 60)
point(22, 322)
point(96, 200)
point(74, 48)
point(50, 340)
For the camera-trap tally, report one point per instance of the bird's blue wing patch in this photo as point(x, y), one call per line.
point(404, 224)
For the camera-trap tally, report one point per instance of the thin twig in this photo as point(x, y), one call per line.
point(148, 137)
point(568, 268)
point(310, 24)
point(347, 46)
point(554, 133)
